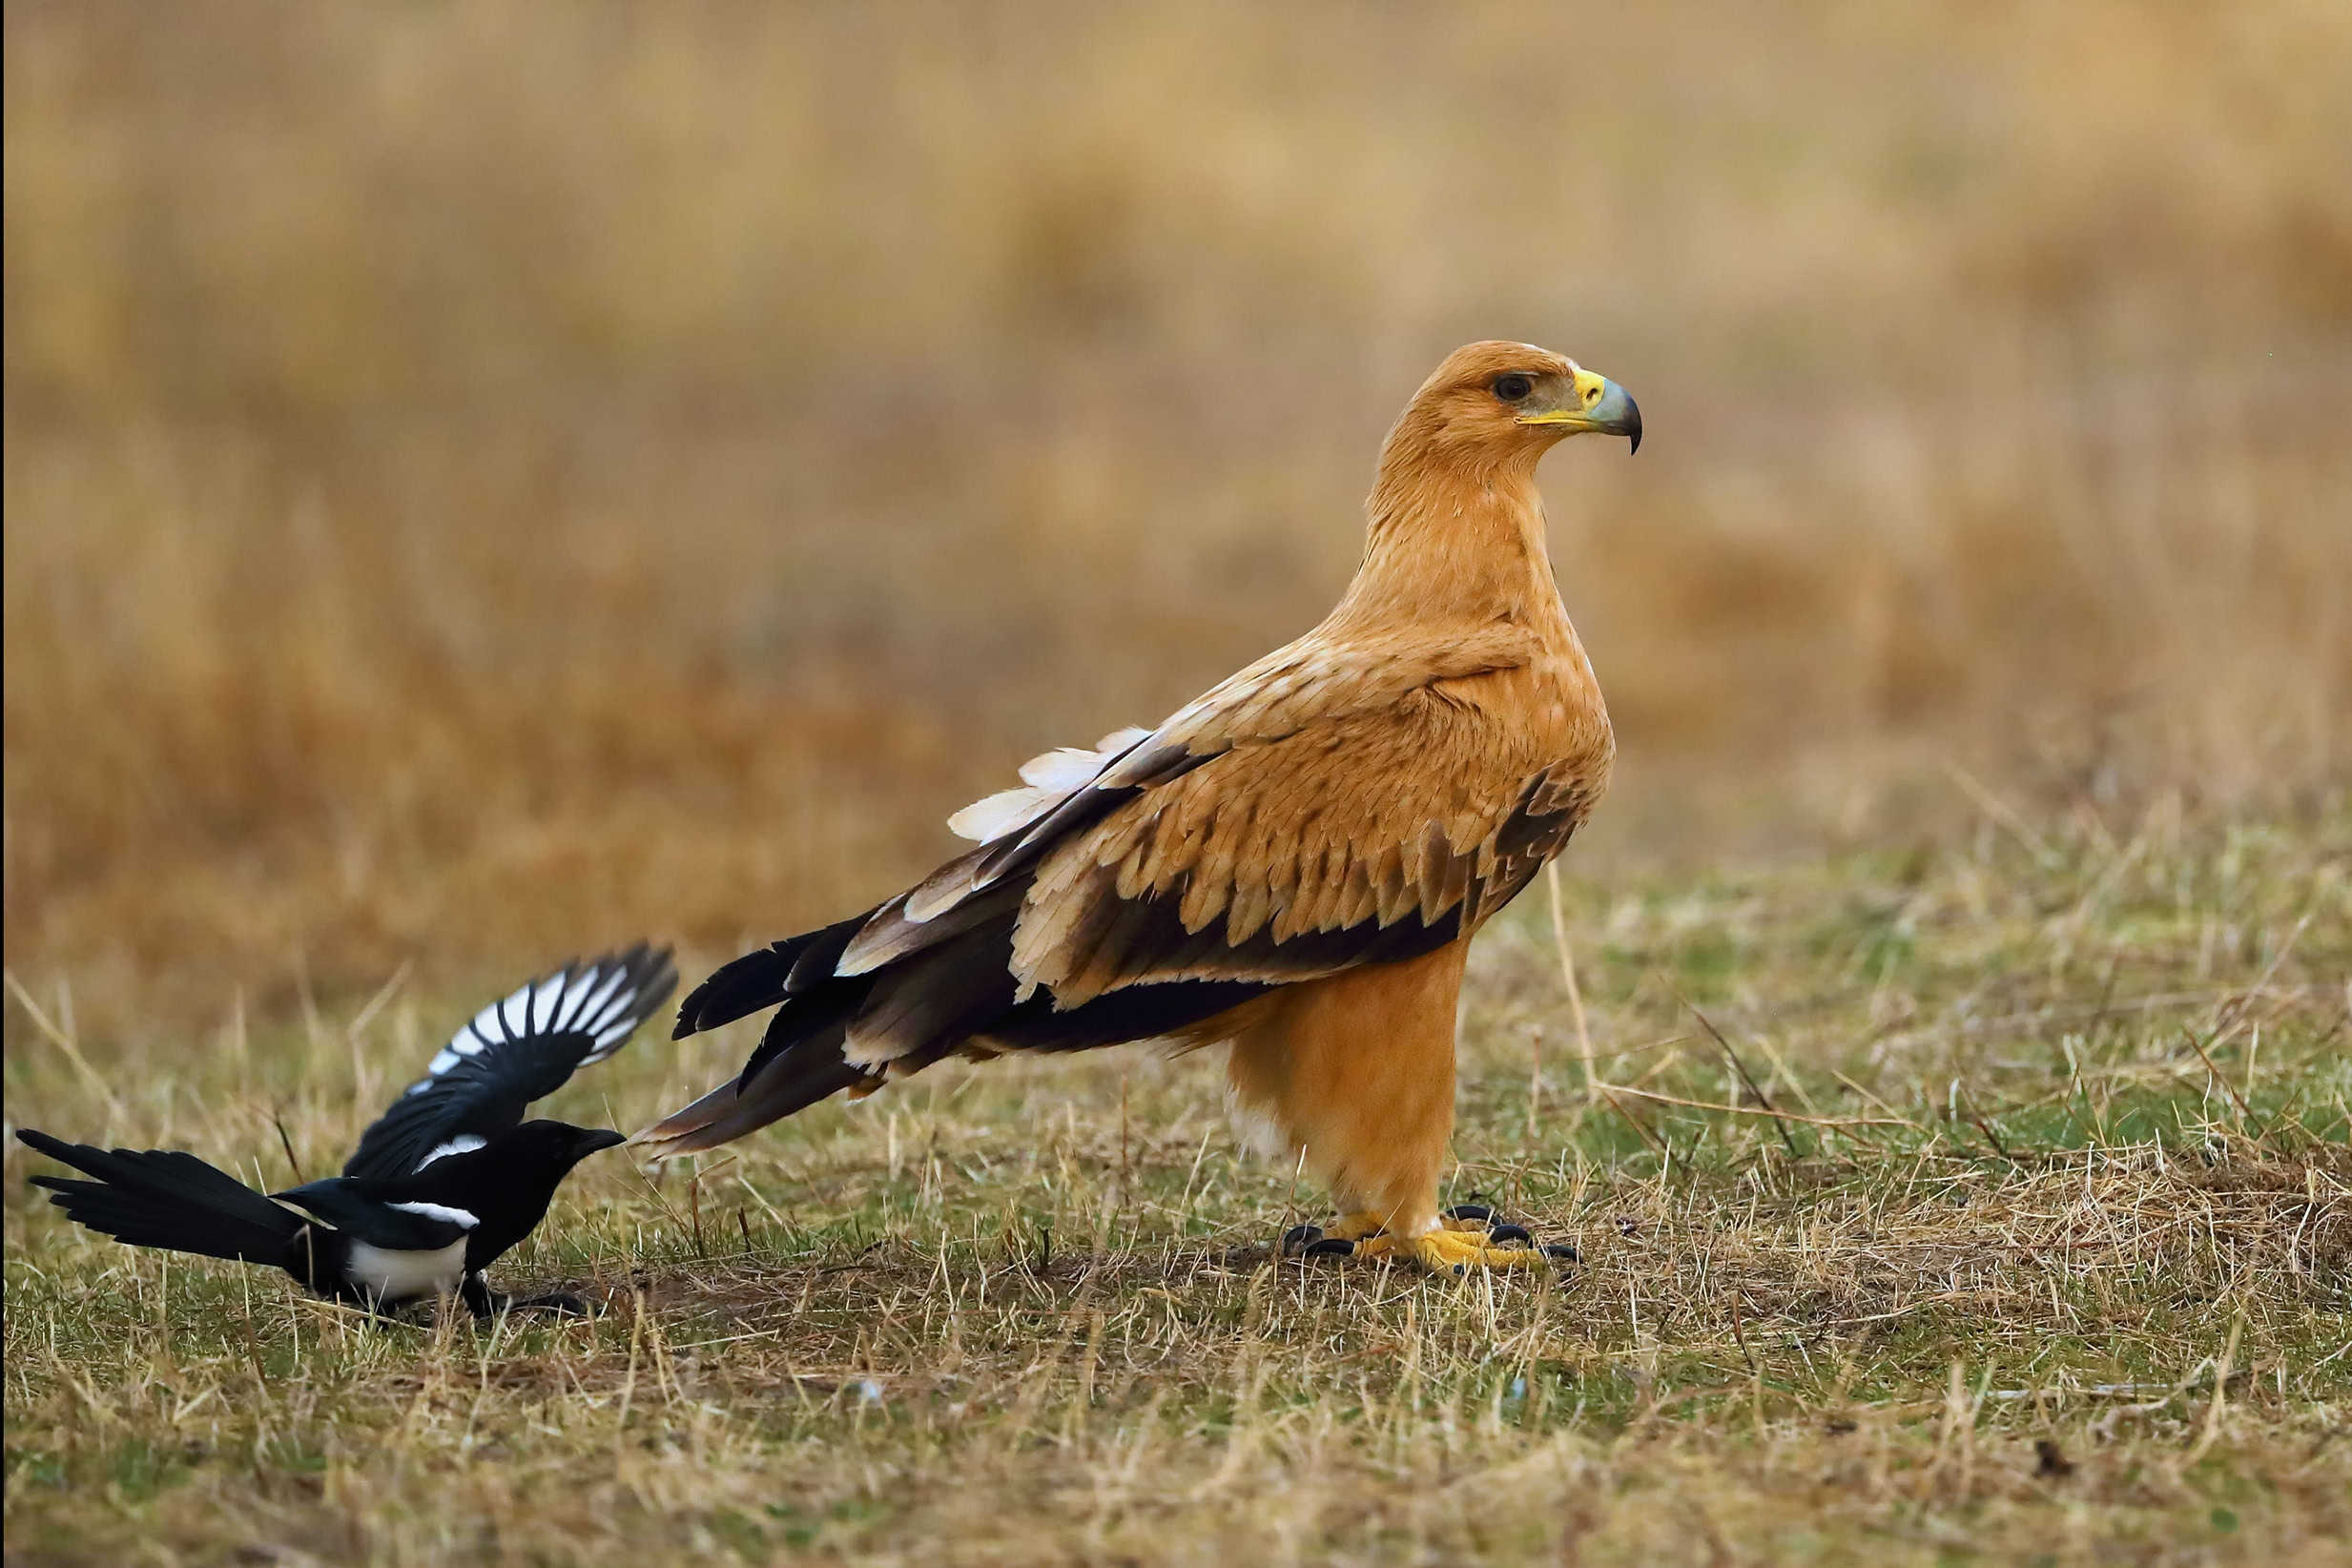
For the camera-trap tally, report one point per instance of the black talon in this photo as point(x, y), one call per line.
point(1472, 1211)
point(1296, 1240)
point(1504, 1235)
point(486, 1303)
point(1328, 1246)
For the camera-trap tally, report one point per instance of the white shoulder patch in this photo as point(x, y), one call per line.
point(463, 1219)
point(1122, 739)
point(465, 1143)
point(1062, 769)
point(1047, 780)
point(1006, 811)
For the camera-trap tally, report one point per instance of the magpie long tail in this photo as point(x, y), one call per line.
point(167, 1199)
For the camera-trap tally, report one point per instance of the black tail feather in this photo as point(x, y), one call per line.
point(813, 1028)
point(166, 1199)
point(913, 1011)
point(763, 979)
point(812, 1070)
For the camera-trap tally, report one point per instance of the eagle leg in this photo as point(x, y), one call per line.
point(1351, 1078)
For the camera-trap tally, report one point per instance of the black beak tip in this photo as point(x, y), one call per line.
point(1633, 431)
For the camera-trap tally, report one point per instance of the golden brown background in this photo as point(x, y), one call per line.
point(487, 480)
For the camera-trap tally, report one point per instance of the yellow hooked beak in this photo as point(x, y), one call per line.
point(1592, 402)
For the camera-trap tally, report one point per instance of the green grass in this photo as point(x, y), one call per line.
point(2057, 1268)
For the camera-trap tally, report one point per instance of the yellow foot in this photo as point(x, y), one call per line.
point(1470, 1237)
point(1448, 1251)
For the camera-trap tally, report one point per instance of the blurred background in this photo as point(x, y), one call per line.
point(482, 480)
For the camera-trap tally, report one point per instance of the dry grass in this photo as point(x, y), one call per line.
point(480, 480)
point(483, 481)
point(2074, 1170)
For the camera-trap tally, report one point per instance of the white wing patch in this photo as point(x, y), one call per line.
point(613, 1019)
point(465, 1143)
point(539, 1011)
point(485, 1025)
point(597, 1003)
point(463, 1219)
point(598, 999)
point(1047, 780)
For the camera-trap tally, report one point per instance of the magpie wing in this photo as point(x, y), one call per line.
point(365, 1215)
point(513, 1052)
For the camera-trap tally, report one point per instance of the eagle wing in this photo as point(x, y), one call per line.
point(1296, 693)
point(1336, 804)
point(1329, 806)
point(1366, 837)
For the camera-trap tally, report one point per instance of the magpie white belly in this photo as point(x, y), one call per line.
point(393, 1277)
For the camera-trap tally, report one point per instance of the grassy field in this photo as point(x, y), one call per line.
point(2048, 1259)
point(486, 481)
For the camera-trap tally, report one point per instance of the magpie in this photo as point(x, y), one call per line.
point(447, 1180)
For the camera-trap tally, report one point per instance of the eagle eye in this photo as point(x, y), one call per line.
point(1514, 387)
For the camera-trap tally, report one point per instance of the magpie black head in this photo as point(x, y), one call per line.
point(555, 1145)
